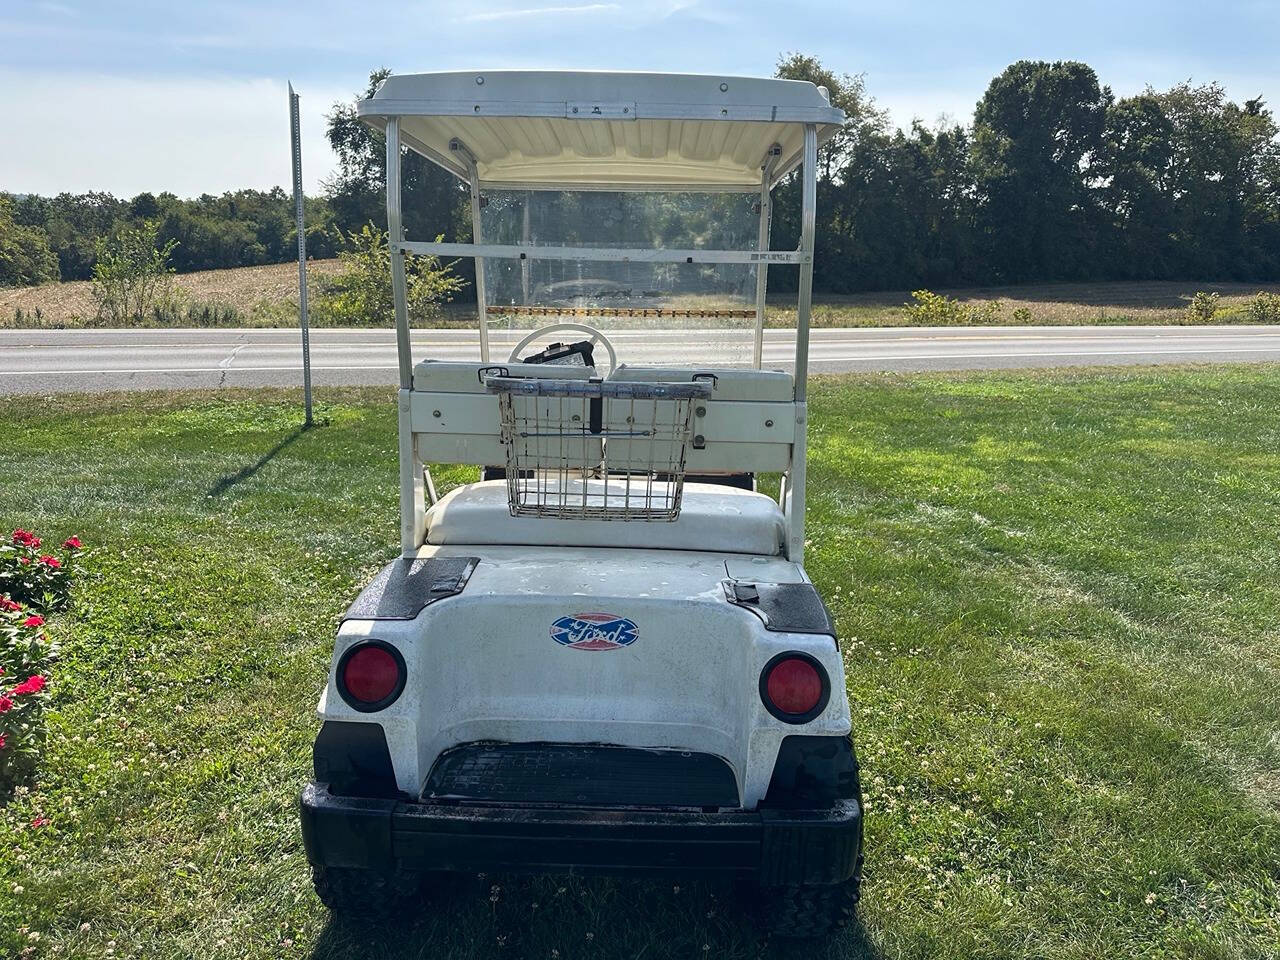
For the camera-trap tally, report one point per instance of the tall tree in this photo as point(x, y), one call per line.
point(433, 200)
point(1037, 132)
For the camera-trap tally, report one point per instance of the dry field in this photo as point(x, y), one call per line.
point(259, 295)
point(267, 296)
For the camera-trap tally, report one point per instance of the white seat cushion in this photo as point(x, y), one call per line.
point(713, 519)
point(732, 383)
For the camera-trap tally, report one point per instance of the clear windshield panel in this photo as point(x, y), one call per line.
point(655, 313)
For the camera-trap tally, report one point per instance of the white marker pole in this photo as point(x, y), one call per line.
point(296, 134)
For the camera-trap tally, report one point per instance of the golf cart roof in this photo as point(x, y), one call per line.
point(578, 129)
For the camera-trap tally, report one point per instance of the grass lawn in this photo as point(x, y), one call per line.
point(1059, 597)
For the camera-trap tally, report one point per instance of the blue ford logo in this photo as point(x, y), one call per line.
point(594, 631)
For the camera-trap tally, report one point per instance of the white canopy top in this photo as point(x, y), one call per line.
point(566, 130)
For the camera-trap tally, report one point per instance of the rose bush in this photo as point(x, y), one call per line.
point(34, 580)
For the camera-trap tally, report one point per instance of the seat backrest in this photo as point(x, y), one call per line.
point(769, 386)
point(454, 376)
point(455, 419)
point(747, 426)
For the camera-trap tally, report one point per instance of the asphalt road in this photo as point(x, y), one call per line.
point(57, 361)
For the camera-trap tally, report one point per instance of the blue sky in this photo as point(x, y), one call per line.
point(127, 95)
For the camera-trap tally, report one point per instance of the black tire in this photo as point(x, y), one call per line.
point(364, 894)
point(806, 911)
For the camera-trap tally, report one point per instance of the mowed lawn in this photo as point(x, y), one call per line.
point(1059, 598)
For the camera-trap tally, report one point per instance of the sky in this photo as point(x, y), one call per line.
point(190, 97)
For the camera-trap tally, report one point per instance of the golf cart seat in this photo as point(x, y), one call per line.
point(713, 519)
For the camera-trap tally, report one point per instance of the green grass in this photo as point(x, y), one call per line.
point(1058, 595)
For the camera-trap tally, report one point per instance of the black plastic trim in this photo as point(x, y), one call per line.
point(782, 607)
point(813, 772)
point(360, 705)
point(353, 758)
point(823, 700)
point(405, 587)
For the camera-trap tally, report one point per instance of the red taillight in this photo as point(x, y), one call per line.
point(371, 675)
point(794, 687)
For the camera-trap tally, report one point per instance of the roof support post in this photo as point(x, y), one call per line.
point(477, 237)
point(762, 244)
point(808, 219)
point(413, 509)
point(796, 476)
point(395, 231)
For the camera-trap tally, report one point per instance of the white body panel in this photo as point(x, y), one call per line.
point(483, 665)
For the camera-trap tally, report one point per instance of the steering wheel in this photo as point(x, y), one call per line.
point(595, 335)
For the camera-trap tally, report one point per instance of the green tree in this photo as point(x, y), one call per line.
point(865, 125)
point(131, 275)
point(1037, 134)
point(25, 255)
point(1135, 169)
point(434, 201)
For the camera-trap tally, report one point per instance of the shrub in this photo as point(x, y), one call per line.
point(131, 276)
point(35, 575)
point(1202, 308)
point(934, 310)
point(34, 581)
point(1022, 315)
point(361, 294)
point(1264, 308)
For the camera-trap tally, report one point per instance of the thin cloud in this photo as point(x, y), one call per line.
point(537, 12)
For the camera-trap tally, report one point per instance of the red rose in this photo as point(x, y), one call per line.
point(71, 543)
point(40, 821)
point(5, 704)
point(24, 560)
point(51, 561)
point(33, 684)
point(25, 538)
point(9, 605)
point(33, 621)
point(1, 741)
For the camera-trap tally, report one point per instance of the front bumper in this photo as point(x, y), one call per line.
point(774, 846)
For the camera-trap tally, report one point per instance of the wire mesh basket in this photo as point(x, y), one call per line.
point(593, 450)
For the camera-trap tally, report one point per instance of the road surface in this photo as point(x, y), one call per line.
point(58, 361)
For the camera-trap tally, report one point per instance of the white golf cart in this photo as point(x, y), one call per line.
point(605, 655)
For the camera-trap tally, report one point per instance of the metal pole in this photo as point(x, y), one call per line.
point(396, 236)
point(524, 238)
point(478, 237)
point(808, 219)
point(762, 244)
point(295, 132)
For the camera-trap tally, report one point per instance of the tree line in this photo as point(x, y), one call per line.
point(1055, 179)
point(57, 238)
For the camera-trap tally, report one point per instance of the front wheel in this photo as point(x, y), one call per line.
point(805, 911)
point(366, 894)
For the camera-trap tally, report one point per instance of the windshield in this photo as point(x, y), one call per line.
point(655, 313)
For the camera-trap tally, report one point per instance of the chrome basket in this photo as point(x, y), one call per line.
point(595, 450)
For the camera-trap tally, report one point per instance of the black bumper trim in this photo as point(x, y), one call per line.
point(776, 846)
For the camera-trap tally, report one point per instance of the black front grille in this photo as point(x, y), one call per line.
point(580, 775)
